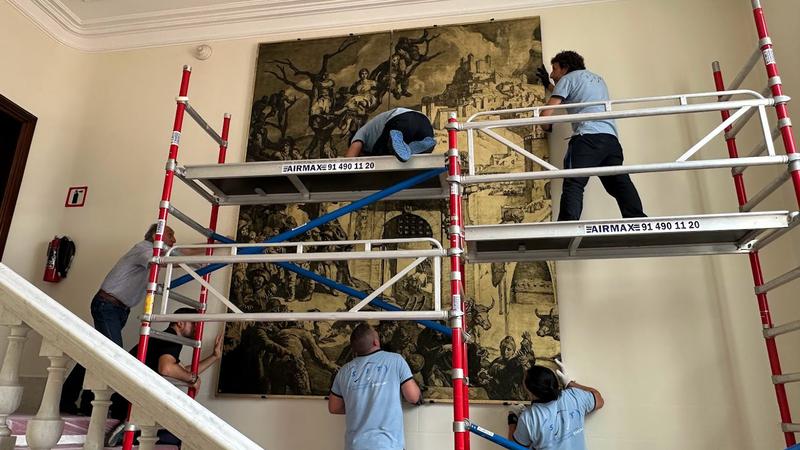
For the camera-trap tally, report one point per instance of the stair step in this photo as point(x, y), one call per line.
point(73, 436)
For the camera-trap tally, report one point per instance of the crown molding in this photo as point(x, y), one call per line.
point(268, 19)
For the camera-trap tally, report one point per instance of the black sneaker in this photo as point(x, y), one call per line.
point(115, 436)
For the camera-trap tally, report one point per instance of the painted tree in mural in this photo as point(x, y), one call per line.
point(309, 97)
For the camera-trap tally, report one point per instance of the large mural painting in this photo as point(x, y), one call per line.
point(309, 97)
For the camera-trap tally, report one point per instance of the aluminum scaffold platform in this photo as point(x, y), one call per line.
point(441, 177)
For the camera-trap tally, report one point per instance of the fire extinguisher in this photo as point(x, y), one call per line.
point(60, 252)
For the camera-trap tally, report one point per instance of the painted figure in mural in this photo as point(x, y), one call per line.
point(555, 418)
point(400, 131)
point(365, 390)
point(593, 143)
point(321, 117)
point(297, 340)
point(406, 58)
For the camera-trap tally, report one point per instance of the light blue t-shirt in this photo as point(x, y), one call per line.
point(370, 387)
point(557, 425)
point(371, 131)
point(582, 86)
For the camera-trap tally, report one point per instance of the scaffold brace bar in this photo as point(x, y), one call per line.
point(169, 337)
point(301, 316)
point(204, 125)
point(493, 437)
point(628, 169)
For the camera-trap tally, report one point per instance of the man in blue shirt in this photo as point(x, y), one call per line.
point(593, 143)
point(399, 131)
point(368, 389)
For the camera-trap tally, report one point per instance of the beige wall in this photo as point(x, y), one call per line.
point(673, 345)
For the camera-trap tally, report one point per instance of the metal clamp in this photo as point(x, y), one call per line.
point(454, 229)
point(782, 99)
point(183, 100)
point(456, 179)
point(764, 41)
point(774, 80)
point(460, 427)
point(454, 251)
point(785, 122)
point(145, 329)
point(794, 162)
point(171, 165)
point(456, 374)
point(452, 152)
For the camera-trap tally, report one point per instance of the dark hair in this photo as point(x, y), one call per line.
point(151, 232)
point(542, 383)
point(361, 338)
point(569, 60)
point(184, 310)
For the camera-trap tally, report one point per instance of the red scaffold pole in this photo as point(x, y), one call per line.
point(212, 225)
point(460, 428)
point(465, 329)
point(755, 267)
point(776, 86)
point(158, 239)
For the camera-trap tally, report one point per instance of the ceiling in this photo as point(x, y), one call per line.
point(107, 25)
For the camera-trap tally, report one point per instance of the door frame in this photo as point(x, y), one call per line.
point(9, 198)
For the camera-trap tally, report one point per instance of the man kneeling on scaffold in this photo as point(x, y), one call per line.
point(400, 131)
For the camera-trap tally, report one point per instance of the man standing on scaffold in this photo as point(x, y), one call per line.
point(593, 143)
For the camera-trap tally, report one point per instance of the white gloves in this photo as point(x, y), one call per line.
point(562, 373)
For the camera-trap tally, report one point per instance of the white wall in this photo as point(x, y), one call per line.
point(673, 346)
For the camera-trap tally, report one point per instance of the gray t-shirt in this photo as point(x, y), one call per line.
point(582, 86)
point(372, 130)
point(370, 387)
point(127, 280)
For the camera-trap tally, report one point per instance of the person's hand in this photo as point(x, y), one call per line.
point(218, 346)
point(562, 373)
point(543, 76)
point(514, 412)
point(196, 385)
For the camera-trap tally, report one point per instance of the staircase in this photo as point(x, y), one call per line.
point(109, 368)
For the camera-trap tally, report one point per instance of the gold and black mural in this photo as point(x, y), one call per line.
point(309, 98)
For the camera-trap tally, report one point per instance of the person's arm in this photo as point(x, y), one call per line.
point(568, 382)
point(335, 404)
point(598, 399)
point(168, 367)
point(549, 112)
point(354, 149)
point(512, 428)
point(213, 357)
point(411, 392)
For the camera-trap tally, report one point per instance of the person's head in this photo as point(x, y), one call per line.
point(542, 383)
point(364, 339)
point(363, 74)
point(564, 63)
point(183, 328)
point(508, 347)
point(168, 237)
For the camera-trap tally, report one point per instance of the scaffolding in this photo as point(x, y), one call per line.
point(432, 177)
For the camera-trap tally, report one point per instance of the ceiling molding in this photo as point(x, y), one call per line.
point(270, 19)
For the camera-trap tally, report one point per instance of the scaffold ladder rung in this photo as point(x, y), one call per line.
point(782, 329)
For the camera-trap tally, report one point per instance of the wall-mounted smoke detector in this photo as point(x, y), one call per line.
point(202, 52)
